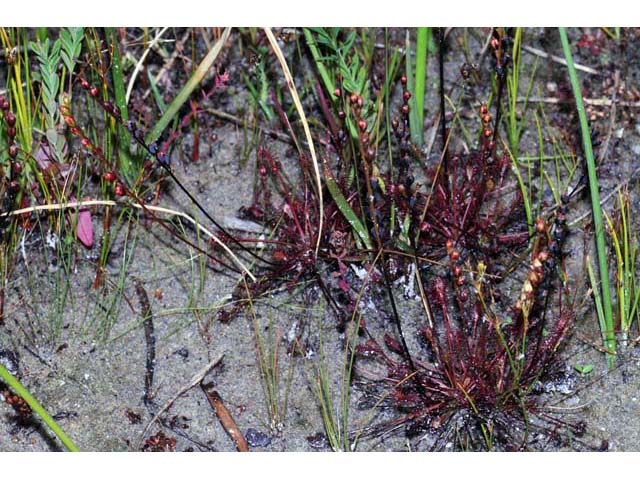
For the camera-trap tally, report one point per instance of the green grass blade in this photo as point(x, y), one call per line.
point(125, 165)
point(422, 44)
point(19, 389)
point(593, 182)
point(188, 89)
point(346, 210)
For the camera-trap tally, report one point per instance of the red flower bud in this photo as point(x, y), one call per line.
point(10, 118)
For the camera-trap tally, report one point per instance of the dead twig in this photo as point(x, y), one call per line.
point(224, 415)
point(560, 60)
point(195, 380)
point(150, 340)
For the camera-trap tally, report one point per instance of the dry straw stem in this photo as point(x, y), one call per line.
point(195, 380)
point(138, 66)
point(305, 125)
point(89, 203)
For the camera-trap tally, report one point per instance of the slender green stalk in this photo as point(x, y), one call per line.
point(593, 184)
point(17, 387)
point(188, 89)
point(121, 102)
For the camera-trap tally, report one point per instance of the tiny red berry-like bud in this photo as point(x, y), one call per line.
point(75, 130)
point(11, 131)
point(455, 255)
point(405, 109)
point(337, 93)
point(360, 101)
point(108, 106)
point(487, 132)
point(85, 142)
point(93, 91)
point(70, 121)
point(540, 227)
point(406, 96)
point(109, 176)
point(119, 190)
point(483, 109)
point(457, 271)
point(263, 171)
point(486, 119)
point(543, 255)
point(342, 115)
point(371, 153)
point(353, 98)
point(495, 43)
point(460, 281)
point(84, 84)
point(13, 151)
point(362, 125)
point(14, 186)
point(403, 80)
point(425, 227)
point(449, 246)
point(16, 167)
point(10, 118)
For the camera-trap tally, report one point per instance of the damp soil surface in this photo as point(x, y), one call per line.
point(87, 353)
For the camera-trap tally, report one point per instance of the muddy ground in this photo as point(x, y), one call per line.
point(82, 352)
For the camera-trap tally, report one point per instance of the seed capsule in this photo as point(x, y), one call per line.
point(10, 119)
point(371, 153)
point(449, 246)
point(109, 176)
point(13, 151)
point(337, 93)
point(119, 190)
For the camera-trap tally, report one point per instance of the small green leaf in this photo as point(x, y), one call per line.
point(583, 369)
